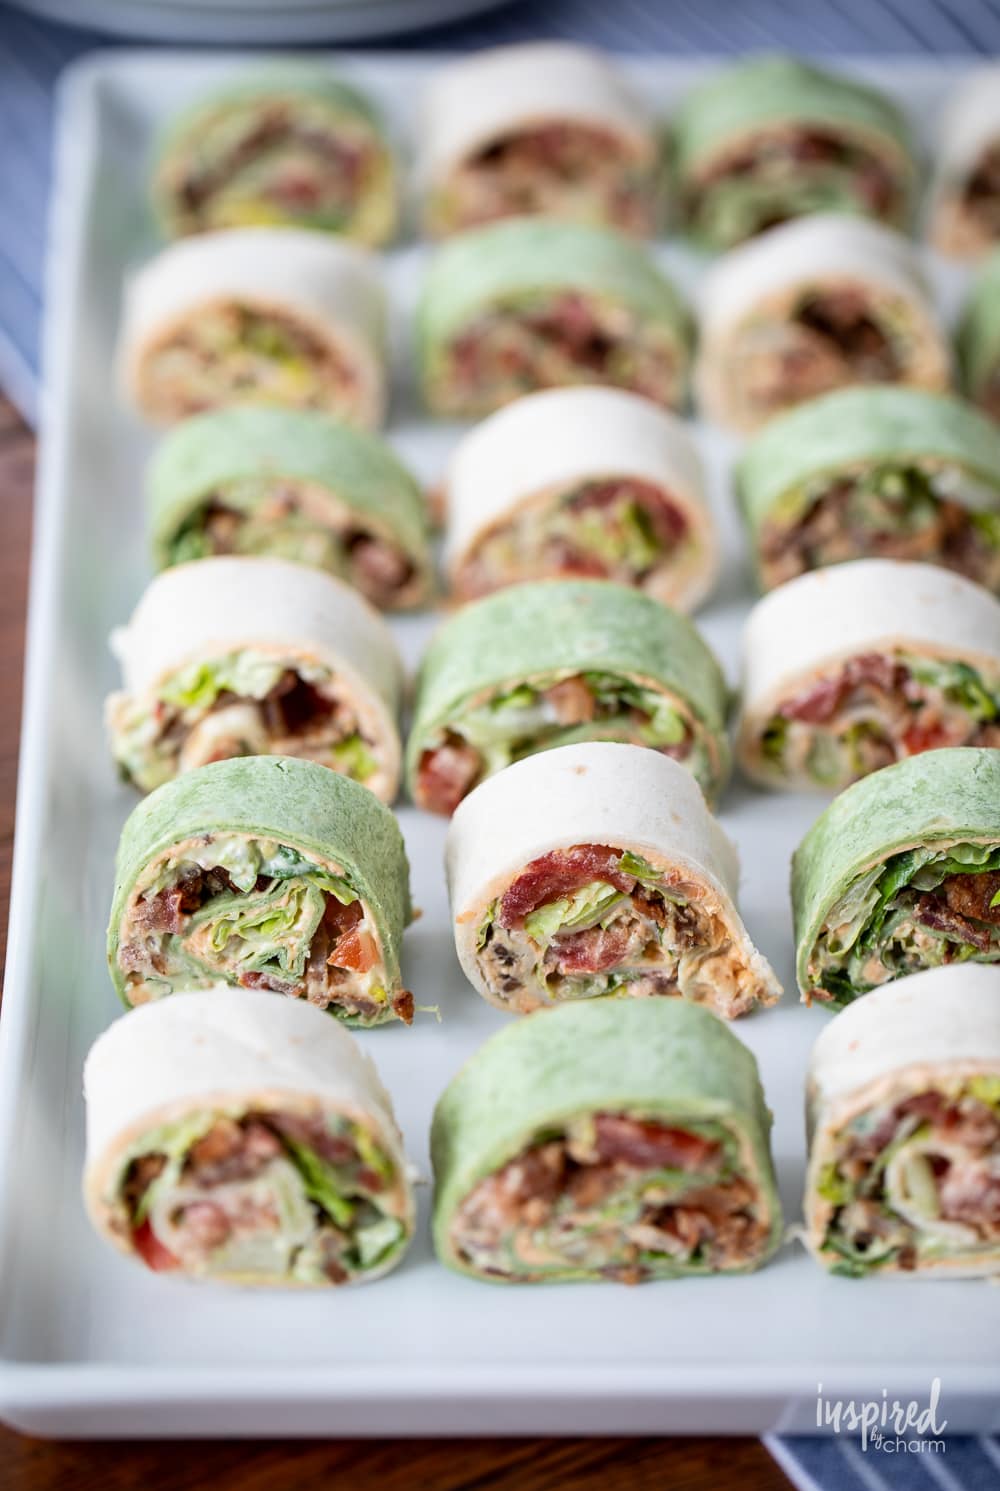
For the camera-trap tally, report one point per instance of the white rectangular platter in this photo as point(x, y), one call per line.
point(90, 1344)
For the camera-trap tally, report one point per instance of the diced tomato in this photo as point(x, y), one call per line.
point(355, 950)
point(926, 737)
point(152, 1252)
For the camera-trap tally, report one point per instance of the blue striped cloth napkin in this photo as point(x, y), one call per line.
point(32, 53)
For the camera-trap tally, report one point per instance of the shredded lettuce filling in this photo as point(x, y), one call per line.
point(892, 1205)
point(259, 927)
point(527, 719)
point(656, 946)
point(869, 726)
point(309, 1212)
point(890, 922)
point(899, 510)
point(254, 516)
point(216, 708)
point(624, 1218)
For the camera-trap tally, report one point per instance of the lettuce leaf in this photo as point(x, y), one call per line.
point(321, 1181)
point(572, 913)
point(270, 930)
point(353, 757)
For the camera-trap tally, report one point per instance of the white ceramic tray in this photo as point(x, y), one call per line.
point(89, 1343)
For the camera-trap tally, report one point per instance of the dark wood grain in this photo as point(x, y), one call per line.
point(358, 1465)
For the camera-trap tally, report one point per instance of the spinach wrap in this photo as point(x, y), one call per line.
point(890, 473)
point(979, 339)
point(605, 1141)
point(903, 1110)
point(528, 304)
point(243, 1139)
point(267, 872)
point(289, 147)
point(901, 872)
point(773, 138)
point(296, 484)
point(553, 663)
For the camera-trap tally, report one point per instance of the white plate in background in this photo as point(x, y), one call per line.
point(236, 23)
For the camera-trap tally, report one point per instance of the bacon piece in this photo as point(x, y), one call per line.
point(294, 706)
point(843, 317)
point(380, 570)
point(568, 560)
point(139, 1177)
point(166, 911)
point(402, 1005)
point(255, 980)
point(573, 702)
point(446, 773)
point(652, 1146)
point(820, 702)
point(970, 1193)
point(152, 1252)
point(314, 1134)
point(594, 950)
point(559, 873)
point(206, 1223)
point(231, 1151)
point(930, 911)
point(970, 895)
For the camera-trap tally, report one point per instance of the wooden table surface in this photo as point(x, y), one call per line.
point(228, 1465)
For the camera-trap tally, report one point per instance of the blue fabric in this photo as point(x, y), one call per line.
point(839, 1464)
point(33, 52)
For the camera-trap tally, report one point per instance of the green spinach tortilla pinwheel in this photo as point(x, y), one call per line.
point(286, 148)
point(772, 138)
point(596, 869)
point(816, 304)
point(295, 484)
point(258, 316)
point(888, 473)
point(268, 873)
point(529, 304)
point(979, 339)
point(250, 657)
point(545, 128)
point(901, 872)
point(605, 1141)
point(554, 663)
point(243, 1139)
point(848, 669)
point(903, 1109)
point(965, 196)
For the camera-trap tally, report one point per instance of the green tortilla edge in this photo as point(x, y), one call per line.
point(308, 807)
point(662, 1058)
point(939, 797)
